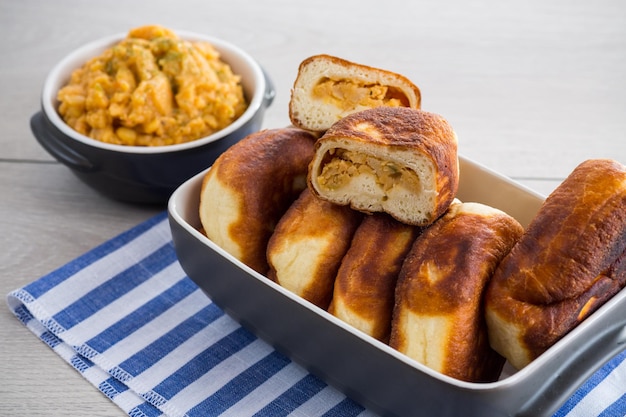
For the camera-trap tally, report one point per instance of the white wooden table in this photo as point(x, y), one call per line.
point(532, 88)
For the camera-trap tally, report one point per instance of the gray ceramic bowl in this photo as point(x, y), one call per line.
point(370, 371)
point(145, 174)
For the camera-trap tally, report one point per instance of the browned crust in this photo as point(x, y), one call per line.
point(267, 170)
point(465, 249)
point(403, 128)
point(543, 325)
point(346, 63)
point(367, 68)
point(367, 277)
point(571, 259)
point(312, 218)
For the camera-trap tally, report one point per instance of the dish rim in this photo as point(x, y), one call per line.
point(175, 206)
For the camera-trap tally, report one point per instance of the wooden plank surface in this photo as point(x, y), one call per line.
point(532, 89)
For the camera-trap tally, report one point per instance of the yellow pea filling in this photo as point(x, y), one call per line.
point(343, 165)
point(347, 94)
point(152, 88)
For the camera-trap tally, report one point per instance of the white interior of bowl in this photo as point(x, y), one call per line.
point(252, 80)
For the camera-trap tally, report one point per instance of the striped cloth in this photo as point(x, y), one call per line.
point(127, 318)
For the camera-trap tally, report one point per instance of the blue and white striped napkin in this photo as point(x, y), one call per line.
point(127, 318)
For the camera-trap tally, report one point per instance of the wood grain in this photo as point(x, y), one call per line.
point(532, 88)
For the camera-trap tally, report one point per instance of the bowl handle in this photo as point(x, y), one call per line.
point(49, 137)
point(578, 365)
point(270, 91)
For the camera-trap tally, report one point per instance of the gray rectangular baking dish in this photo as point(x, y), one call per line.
point(369, 371)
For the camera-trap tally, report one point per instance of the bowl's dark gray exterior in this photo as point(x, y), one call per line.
point(371, 372)
point(139, 174)
point(147, 178)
